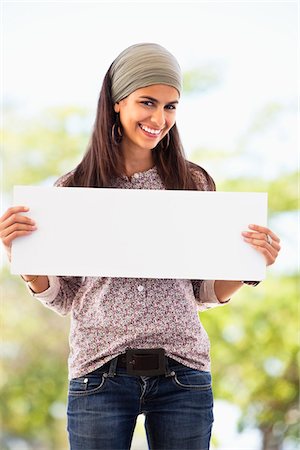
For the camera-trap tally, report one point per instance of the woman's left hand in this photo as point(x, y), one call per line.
point(263, 240)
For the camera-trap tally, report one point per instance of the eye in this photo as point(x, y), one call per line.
point(147, 103)
point(171, 107)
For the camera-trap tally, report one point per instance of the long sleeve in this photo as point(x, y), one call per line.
point(205, 294)
point(60, 294)
point(110, 314)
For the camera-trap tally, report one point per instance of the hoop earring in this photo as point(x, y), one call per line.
point(116, 132)
point(164, 146)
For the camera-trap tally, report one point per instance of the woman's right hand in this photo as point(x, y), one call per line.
point(13, 224)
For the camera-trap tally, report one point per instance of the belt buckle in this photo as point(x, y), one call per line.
point(152, 358)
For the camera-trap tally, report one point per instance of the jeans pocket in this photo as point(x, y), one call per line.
point(192, 379)
point(90, 384)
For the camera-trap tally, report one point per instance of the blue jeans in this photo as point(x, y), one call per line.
point(178, 409)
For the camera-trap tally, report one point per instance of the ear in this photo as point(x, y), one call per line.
point(117, 107)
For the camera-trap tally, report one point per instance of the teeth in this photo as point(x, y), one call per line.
point(149, 130)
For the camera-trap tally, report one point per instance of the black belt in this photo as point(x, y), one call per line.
point(143, 362)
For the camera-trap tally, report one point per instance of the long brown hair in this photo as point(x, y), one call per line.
point(104, 159)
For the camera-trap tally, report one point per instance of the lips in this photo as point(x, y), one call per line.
point(150, 132)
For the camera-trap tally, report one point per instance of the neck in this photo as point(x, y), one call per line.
point(137, 161)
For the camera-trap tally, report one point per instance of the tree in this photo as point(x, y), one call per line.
point(254, 340)
point(34, 339)
point(254, 357)
point(34, 372)
point(43, 147)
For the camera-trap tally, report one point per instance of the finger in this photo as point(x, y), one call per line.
point(265, 230)
point(274, 247)
point(16, 227)
point(16, 218)
point(253, 238)
point(8, 240)
point(270, 256)
point(13, 210)
point(255, 235)
point(269, 251)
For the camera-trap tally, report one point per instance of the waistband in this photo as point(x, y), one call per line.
point(141, 362)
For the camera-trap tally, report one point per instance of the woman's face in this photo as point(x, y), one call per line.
point(147, 115)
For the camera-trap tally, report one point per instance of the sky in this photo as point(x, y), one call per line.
point(57, 53)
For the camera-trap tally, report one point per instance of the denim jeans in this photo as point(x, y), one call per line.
point(178, 408)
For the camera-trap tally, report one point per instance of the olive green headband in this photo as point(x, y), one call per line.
point(143, 65)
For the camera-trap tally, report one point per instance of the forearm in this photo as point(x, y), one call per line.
point(55, 292)
point(38, 284)
point(224, 289)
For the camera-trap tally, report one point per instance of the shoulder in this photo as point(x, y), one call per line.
point(202, 179)
point(65, 180)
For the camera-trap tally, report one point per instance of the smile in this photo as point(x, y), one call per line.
point(151, 131)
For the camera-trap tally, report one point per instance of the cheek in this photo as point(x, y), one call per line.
point(141, 115)
point(171, 121)
point(133, 115)
point(170, 117)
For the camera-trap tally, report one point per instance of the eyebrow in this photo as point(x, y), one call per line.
point(156, 101)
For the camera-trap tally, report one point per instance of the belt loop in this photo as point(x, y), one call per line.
point(169, 372)
point(112, 367)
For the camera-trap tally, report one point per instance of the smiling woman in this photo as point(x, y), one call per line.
point(135, 126)
point(137, 345)
point(147, 115)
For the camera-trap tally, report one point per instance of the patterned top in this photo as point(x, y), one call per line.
point(109, 315)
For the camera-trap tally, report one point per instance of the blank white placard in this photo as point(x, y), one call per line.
point(139, 233)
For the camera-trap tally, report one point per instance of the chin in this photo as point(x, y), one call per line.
point(148, 147)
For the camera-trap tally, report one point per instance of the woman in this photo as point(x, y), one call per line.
point(137, 345)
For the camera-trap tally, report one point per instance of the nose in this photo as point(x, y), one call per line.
point(158, 118)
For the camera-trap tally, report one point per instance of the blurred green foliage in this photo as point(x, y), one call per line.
point(47, 145)
point(201, 79)
point(254, 339)
point(254, 352)
point(33, 383)
point(282, 191)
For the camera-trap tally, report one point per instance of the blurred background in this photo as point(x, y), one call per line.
point(237, 118)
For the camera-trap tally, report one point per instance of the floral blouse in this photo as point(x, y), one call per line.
point(109, 315)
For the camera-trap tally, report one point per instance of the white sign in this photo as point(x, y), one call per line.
point(139, 233)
